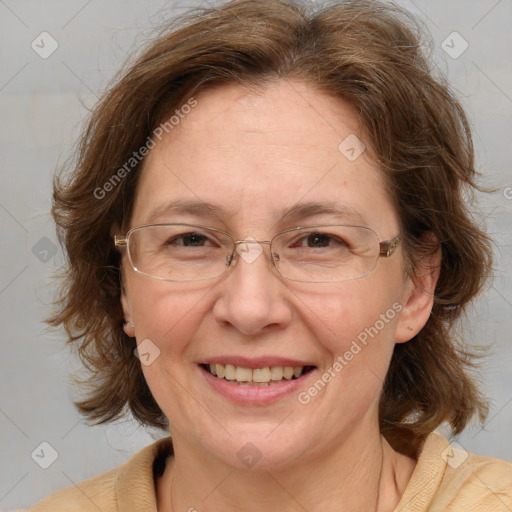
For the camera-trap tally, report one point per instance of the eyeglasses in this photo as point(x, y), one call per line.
point(313, 254)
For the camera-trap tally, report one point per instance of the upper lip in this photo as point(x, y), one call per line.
point(256, 362)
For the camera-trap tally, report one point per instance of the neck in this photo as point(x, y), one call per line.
point(371, 477)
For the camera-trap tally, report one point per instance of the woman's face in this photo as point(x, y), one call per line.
point(240, 160)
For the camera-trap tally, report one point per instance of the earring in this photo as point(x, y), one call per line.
point(128, 328)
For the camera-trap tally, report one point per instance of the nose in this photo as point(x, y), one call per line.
point(252, 298)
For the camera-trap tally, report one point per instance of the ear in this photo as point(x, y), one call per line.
point(418, 298)
point(128, 325)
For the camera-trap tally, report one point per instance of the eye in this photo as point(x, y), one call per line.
point(190, 240)
point(318, 240)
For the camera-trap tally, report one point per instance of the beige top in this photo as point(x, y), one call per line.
point(444, 479)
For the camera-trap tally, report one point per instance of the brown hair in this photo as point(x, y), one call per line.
point(370, 55)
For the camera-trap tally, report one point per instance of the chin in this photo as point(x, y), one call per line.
point(262, 446)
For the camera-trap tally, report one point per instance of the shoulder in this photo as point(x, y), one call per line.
point(127, 487)
point(447, 478)
point(89, 495)
point(475, 482)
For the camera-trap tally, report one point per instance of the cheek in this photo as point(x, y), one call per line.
point(351, 312)
point(355, 327)
point(169, 317)
point(167, 314)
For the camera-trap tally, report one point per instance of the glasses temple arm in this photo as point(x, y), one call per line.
point(120, 240)
point(388, 247)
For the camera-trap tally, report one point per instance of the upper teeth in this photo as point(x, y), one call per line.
point(260, 375)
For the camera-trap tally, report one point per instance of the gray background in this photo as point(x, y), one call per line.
point(43, 102)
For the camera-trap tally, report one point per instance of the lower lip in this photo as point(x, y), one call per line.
point(255, 395)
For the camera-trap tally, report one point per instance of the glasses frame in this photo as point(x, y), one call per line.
point(386, 249)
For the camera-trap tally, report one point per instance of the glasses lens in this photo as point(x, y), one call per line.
point(326, 253)
point(179, 252)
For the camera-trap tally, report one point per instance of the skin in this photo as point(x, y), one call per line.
point(255, 153)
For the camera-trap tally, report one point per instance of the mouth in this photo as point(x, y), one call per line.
point(265, 376)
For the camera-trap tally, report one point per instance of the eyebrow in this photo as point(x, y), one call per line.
point(297, 212)
point(198, 208)
point(310, 209)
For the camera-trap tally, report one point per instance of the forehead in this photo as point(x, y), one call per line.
point(258, 153)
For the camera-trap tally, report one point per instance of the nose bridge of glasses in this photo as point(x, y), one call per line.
point(251, 241)
point(249, 250)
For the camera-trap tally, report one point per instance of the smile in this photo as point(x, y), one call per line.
point(261, 377)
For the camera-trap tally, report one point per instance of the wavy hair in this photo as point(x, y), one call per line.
point(367, 53)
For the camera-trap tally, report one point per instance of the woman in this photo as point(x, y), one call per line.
point(268, 249)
